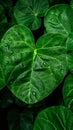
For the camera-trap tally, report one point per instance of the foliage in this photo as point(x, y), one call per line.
point(36, 64)
point(59, 19)
point(57, 117)
point(68, 92)
point(47, 63)
point(29, 12)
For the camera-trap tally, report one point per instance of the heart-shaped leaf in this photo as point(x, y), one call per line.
point(54, 118)
point(59, 19)
point(68, 91)
point(28, 12)
point(32, 72)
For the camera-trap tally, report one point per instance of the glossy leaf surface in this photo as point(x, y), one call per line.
point(32, 72)
point(69, 44)
point(28, 12)
point(59, 19)
point(54, 118)
point(68, 91)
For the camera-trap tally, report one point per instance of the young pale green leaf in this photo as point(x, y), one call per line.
point(32, 72)
point(28, 12)
point(20, 120)
point(68, 91)
point(54, 118)
point(69, 44)
point(59, 19)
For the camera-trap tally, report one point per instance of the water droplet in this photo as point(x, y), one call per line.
point(33, 93)
point(36, 14)
point(11, 52)
point(44, 63)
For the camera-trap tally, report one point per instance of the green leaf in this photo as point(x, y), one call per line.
point(28, 12)
point(69, 44)
point(32, 72)
point(14, 44)
point(2, 77)
point(20, 120)
point(68, 91)
point(54, 118)
point(59, 19)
